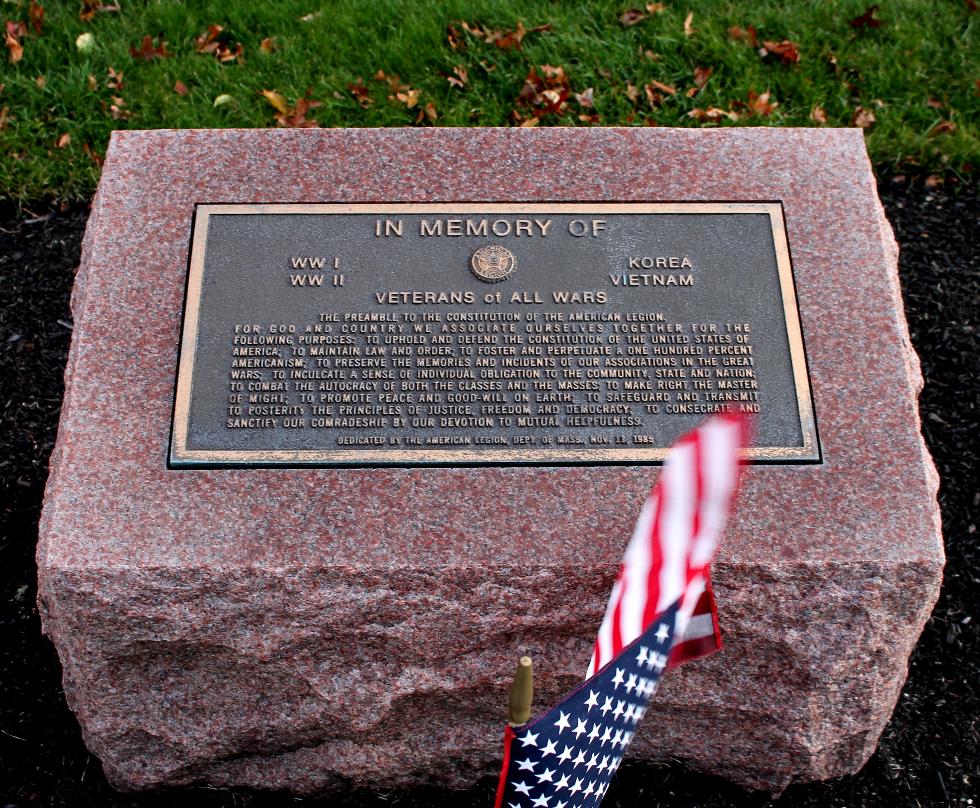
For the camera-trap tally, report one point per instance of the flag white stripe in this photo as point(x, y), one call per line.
point(675, 531)
point(636, 568)
point(699, 626)
point(689, 601)
point(719, 446)
point(605, 630)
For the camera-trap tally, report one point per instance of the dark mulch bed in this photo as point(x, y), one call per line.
point(930, 751)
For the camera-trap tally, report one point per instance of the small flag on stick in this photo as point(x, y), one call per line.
point(660, 614)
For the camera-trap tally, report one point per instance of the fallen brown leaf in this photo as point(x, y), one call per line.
point(40, 81)
point(552, 97)
point(292, 117)
point(180, 88)
point(688, 27)
point(116, 109)
point(93, 85)
point(474, 30)
point(585, 99)
point(296, 118)
point(818, 115)
point(511, 40)
point(863, 117)
point(701, 76)
point(589, 117)
point(4, 117)
point(217, 42)
point(503, 38)
point(934, 103)
point(147, 51)
point(276, 99)
point(409, 98)
point(529, 122)
point(361, 93)
point(867, 19)
point(268, 45)
point(972, 5)
point(393, 81)
point(654, 98)
point(546, 93)
point(92, 7)
point(760, 104)
point(455, 38)
point(942, 128)
point(63, 141)
point(632, 92)
point(427, 113)
point(656, 8)
point(712, 114)
point(93, 155)
point(13, 34)
point(554, 74)
point(115, 80)
point(787, 52)
point(933, 181)
point(35, 14)
point(665, 88)
point(739, 34)
point(460, 78)
point(631, 16)
point(399, 91)
point(649, 54)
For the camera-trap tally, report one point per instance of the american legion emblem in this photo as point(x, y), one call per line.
point(492, 263)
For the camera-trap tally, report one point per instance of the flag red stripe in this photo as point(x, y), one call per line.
point(699, 501)
point(656, 554)
point(617, 615)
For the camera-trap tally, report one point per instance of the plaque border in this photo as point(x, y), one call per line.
point(180, 457)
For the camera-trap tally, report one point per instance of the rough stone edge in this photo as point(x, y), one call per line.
point(79, 295)
point(818, 751)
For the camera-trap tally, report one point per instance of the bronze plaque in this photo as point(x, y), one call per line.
point(421, 334)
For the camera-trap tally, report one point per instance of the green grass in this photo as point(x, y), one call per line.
point(925, 49)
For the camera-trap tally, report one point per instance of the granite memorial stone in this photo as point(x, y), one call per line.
point(354, 419)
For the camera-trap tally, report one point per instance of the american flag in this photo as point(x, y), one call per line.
point(566, 758)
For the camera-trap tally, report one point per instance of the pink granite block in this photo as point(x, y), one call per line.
point(290, 627)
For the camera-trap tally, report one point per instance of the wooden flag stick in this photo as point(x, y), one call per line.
point(521, 693)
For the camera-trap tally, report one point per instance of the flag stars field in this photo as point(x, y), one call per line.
point(575, 772)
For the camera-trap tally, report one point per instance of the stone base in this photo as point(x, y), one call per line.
point(296, 628)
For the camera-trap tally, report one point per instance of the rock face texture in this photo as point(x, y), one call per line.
point(293, 627)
